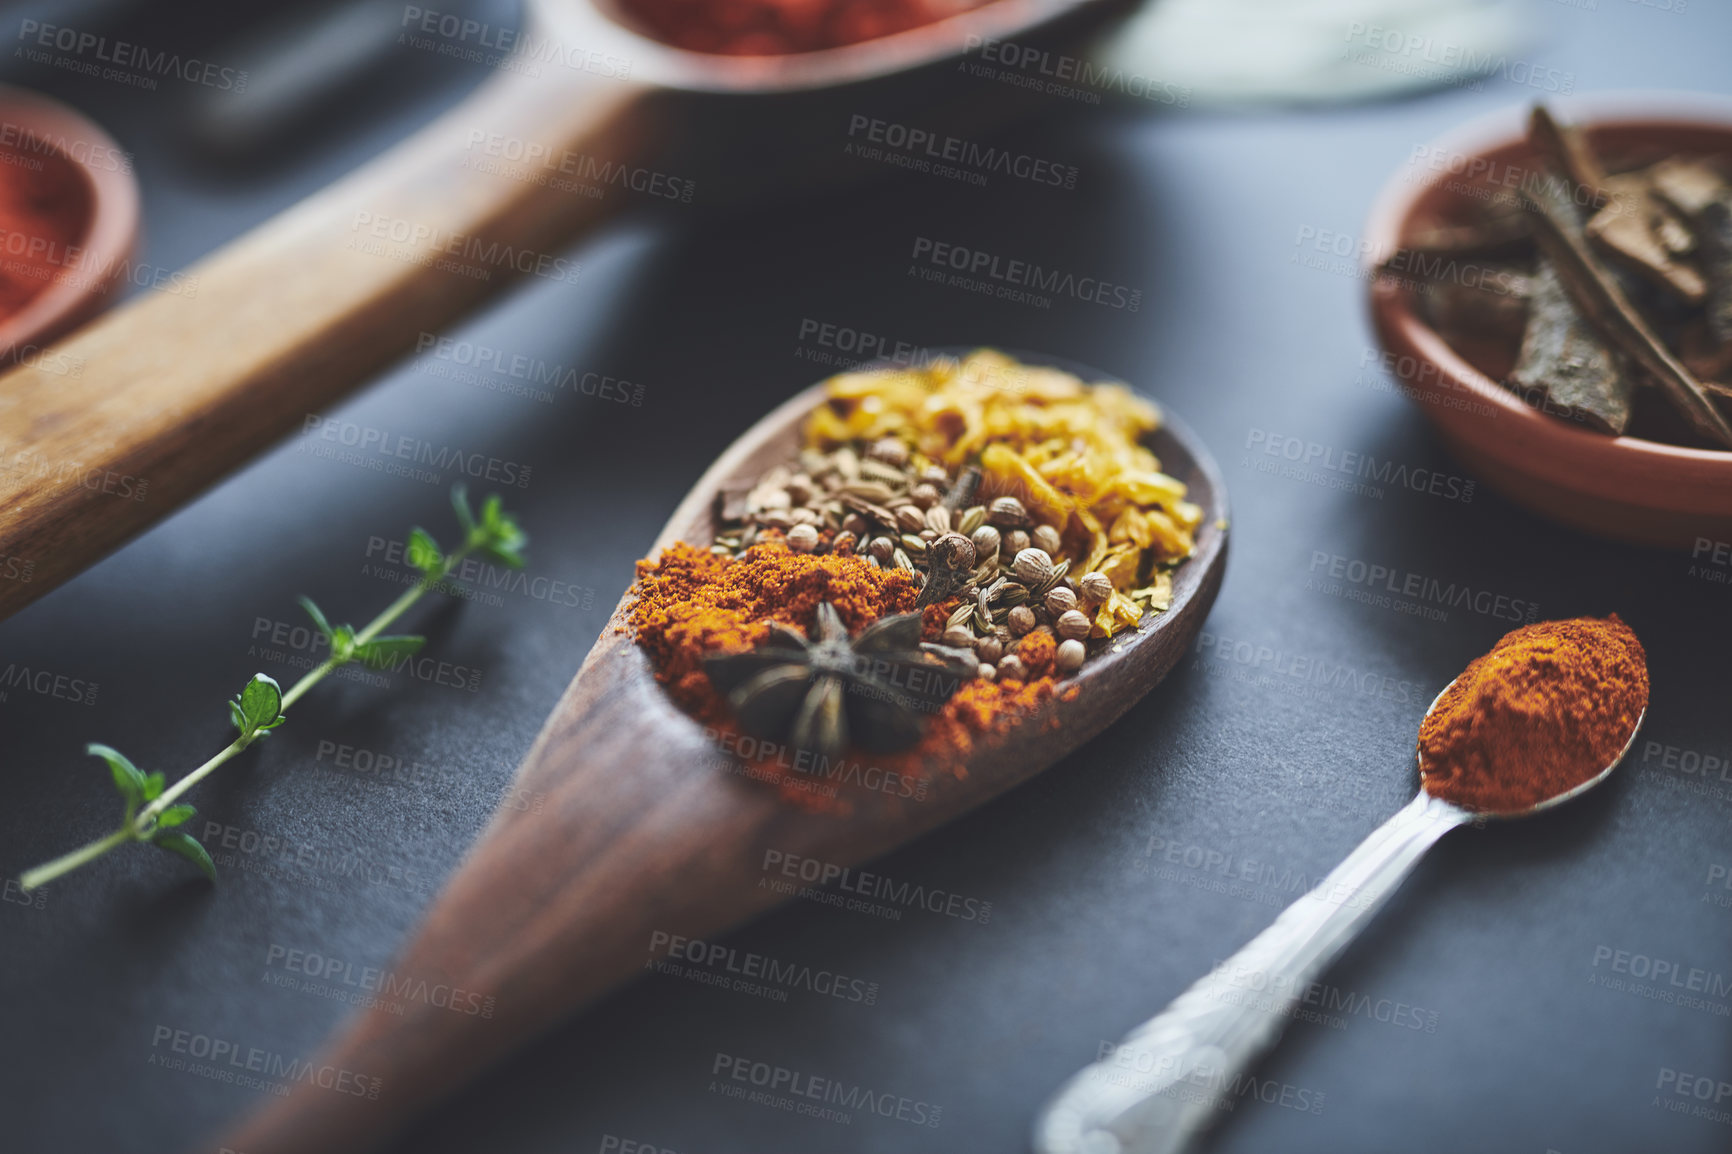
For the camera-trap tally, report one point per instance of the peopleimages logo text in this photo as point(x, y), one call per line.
point(221, 1052)
point(798, 1084)
point(1025, 274)
point(1402, 583)
point(983, 158)
point(373, 979)
point(125, 54)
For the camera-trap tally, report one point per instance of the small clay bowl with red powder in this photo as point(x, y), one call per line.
point(69, 213)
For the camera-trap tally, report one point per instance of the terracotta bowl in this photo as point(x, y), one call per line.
point(111, 230)
point(1622, 488)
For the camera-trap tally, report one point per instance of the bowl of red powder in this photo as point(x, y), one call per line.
point(68, 220)
point(781, 27)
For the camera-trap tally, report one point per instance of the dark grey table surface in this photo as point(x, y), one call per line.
point(1497, 1004)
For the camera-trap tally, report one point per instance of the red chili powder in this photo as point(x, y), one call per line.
point(778, 27)
point(45, 208)
point(691, 602)
point(1548, 708)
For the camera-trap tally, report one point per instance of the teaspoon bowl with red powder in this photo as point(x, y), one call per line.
point(1134, 1102)
point(1554, 800)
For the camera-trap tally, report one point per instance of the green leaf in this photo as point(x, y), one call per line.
point(174, 815)
point(176, 842)
point(460, 503)
point(317, 615)
point(236, 716)
point(153, 785)
point(492, 511)
point(499, 536)
point(343, 643)
point(128, 781)
point(381, 650)
point(260, 705)
point(424, 552)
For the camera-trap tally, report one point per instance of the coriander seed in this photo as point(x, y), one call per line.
point(1072, 625)
point(803, 538)
point(1046, 537)
point(1007, 512)
point(1070, 656)
point(1095, 587)
point(890, 450)
point(1021, 620)
point(1032, 566)
point(1059, 601)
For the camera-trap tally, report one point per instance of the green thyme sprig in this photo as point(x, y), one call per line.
point(149, 811)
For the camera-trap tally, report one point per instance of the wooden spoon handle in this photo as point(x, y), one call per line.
point(181, 385)
point(640, 829)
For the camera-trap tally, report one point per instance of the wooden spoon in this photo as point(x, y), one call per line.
point(649, 827)
point(189, 381)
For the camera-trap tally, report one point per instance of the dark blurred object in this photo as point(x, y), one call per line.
point(319, 70)
point(313, 72)
point(298, 64)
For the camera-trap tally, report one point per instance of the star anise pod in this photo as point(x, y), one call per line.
point(828, 692)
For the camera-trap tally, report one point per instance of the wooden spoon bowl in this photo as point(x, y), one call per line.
point(648, 826)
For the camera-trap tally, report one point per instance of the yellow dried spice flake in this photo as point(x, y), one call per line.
point(1071, 452)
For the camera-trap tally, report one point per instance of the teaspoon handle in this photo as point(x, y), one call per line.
point(1162, 1085)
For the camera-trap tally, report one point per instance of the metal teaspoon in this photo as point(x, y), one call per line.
point(1158, 1089)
